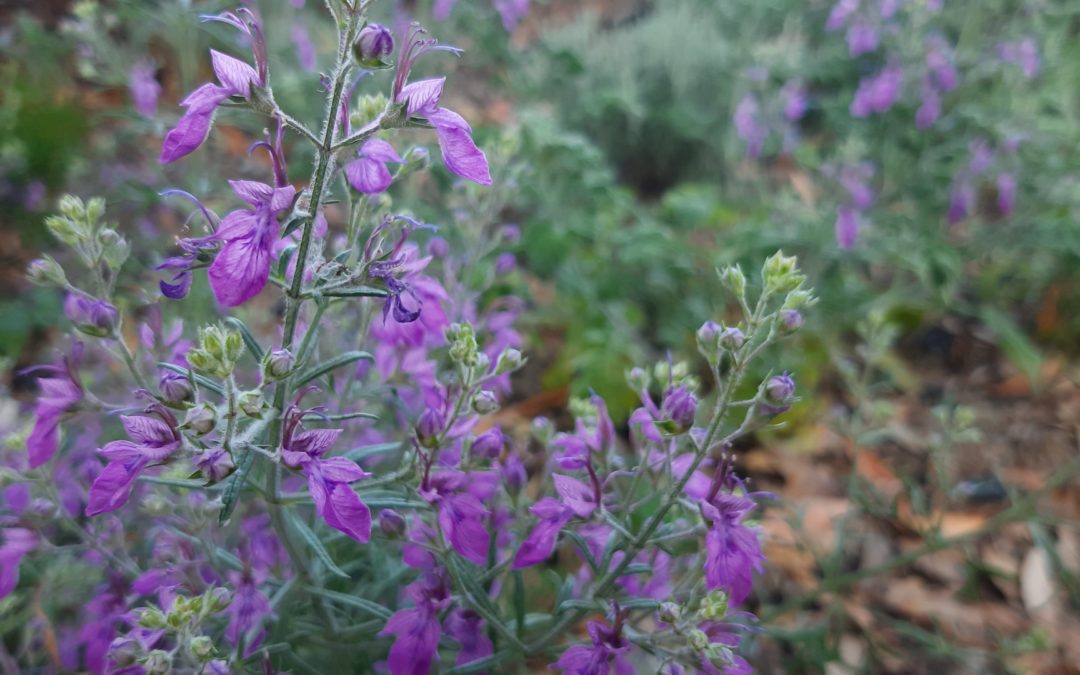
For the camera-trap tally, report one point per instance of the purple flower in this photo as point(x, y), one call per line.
point(421, 99)
point(930, 109)
point(467, 628)
point(214, 464)
point(1006, 188)
point(60, 392)
point(1024, 54)
point(242, 267)
point(840, 13)
point(780, 388)
point(153, 439)
point(144, 88)
point(847, 227)
point(505, 263)
point(416, 630)
point(878, 93)
point(90, 315)
point(732, 550)
point(488, 444)
point(248, 609)
point(982, 155)
point(305, 48)
point(369, 174)
point(748, 126)
point(236, 78)
point(328, 479)
point(540, 542)
point(15, 542)
point(862, 38)
point(595, 659)
point(374, 44)
point(461, 514)
point(511, 12)
point(939, 64)
point(680, 407)
point(795, 100)
point(961, 201)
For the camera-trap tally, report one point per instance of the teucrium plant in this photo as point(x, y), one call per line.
point(334, 488)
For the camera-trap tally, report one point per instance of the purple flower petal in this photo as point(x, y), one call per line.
point(112, 487)
point(240, 270)
point(194, 126)
point(235, 75)
point(422, 98)
point(459, 152)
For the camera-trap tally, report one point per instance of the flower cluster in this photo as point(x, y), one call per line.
point(331, 467)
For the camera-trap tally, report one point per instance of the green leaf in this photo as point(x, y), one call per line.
point(358, 292)
point(249, 339)
point(352, 601)
point(313, 541)
point(1018, 348)
point(236, 484)
point(325, 367)
point(203, 382)
point(366, 451)
point(283, 259)
point(583, 549)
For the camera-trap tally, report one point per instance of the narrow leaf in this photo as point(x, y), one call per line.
point(203, 382)
point(313, 541)
point(352, 601)
point(236, 484)
point(325, 367)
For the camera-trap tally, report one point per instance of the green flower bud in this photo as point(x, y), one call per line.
point(72, 207)
point(638, 378)
point(698, 640)
point(715, 606)
point(95, 210)
point(202, 647)
point(734, 280)
point(234, 346)
point(251, 403)
point(780, 273)
point(66, 230)
point(152, 618)
point(158, 661)
point(277, 364)
point(201, 361)
point(201, 419)
point(115, 249)
point(220, 599)
point(509, 361)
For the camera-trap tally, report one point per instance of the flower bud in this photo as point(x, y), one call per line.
point(158, 661)
point(95, 209)
point(220, 599)
point(679, 407)
point(46, 271)
point(374, 44)
point(510, 233)
point(217, 667)
point(200, 360)
point(391, 524)
point(175, 388)
point(234, 346)
point(152, 618)
point(509, 361)
point(90, 315)
point(514, 475)
point(732, 338)
point(698, 640)
point(485, 402)
point(670, 612)
point(791, 320)
point(488, 444)
point(214, 464)
point(715, 606)
point(734, 280)
point(780, 273)
point(278, 364)
point(72, 207)
point(543, 430)
point(417, 159)
point(251, 403)
point(68, 231)
point(438, 247)
point(708, 337)
point(201, 419)
point(202, 647)
point(780, 388)
point(429, 426)
point(124, 650)
point(638, 378)
point(114, 248)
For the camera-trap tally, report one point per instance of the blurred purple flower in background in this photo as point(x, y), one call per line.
point(144, 88)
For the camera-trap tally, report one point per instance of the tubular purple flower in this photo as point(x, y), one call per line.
point(961, 201)
point(538, 546)
point(144, 88)
point(733, 551)
point(847, 227)
point(930, 109)
point(878, 93)
point(369, 174)
point(417, 630)
point(153, 440)
point(328, 479)
point(242, 267)
point(15, 542)
point(467, 627)
point(795, 100)
point(862, 38)
point(90, 315)
point(680, 407)
point(488, 444)
point(939, 64)
point(607, 645)
point(60, 393)
point(305, 48)
point(840, 13)
point(748, 127)
point(421, 99)
point(236, 79)
point(511, 12)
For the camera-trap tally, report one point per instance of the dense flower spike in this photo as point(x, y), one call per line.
point(421, 99)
